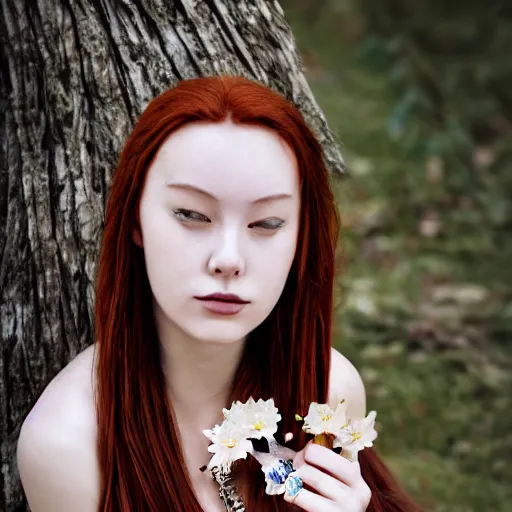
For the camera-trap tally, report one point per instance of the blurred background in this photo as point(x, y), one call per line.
point(419, 94)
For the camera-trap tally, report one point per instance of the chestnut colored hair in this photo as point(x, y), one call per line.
point(287, 357)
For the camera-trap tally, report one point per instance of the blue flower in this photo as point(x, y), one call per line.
point(276, 475)
point(280, 471)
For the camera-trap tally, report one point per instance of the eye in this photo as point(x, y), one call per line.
point(273, 223)
point(189, 215)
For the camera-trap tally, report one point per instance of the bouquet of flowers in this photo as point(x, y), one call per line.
point(255, 420)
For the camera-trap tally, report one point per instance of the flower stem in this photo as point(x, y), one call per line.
point(326, 440)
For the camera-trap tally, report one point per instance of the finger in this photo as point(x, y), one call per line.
point(311, 502)
point(329, 461)
point(326, 485)
point(298, 460)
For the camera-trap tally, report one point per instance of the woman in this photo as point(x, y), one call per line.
point(215, 284)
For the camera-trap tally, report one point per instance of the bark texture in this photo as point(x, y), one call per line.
point(74, 76)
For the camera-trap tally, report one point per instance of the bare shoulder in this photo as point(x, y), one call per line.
point(345, 383)
point(56, 450)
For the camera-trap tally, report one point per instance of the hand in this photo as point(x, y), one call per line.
point(336, 483)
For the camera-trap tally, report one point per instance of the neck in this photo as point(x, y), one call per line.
point(199, 375)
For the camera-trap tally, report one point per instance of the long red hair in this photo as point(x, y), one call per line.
point(287, 357)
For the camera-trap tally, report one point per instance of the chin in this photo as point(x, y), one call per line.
point(221, 334)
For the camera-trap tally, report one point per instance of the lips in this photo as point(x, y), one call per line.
point(224, 297)
point(220, 307)
point(223, 303)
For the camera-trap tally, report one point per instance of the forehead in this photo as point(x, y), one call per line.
point(228, 160)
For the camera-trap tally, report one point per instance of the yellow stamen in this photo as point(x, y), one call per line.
point(326, 417)
point(356, 436)
point(229, 443)
point(259, 425)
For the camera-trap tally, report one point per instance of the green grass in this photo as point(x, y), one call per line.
point(425, 300)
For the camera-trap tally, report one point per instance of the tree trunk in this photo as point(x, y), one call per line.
point(74, 77)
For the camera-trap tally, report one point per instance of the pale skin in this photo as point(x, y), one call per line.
point(236, 235)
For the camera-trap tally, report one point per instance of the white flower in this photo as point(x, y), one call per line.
point(229, 443)
point(355, 436)
point(230, 440)
point(259, 419)
point(321, 419)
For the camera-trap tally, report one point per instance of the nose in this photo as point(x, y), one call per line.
point(227, 259)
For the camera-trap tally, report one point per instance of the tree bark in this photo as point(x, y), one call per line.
point(74, 77)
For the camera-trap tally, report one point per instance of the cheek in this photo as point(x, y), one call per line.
point(170, 262)
point(274, 266)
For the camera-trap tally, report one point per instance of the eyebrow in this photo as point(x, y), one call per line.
point(193, 188)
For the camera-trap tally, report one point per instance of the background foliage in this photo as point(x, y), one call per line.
point(419, 94)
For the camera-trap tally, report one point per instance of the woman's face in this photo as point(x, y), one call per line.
point(219, 213)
